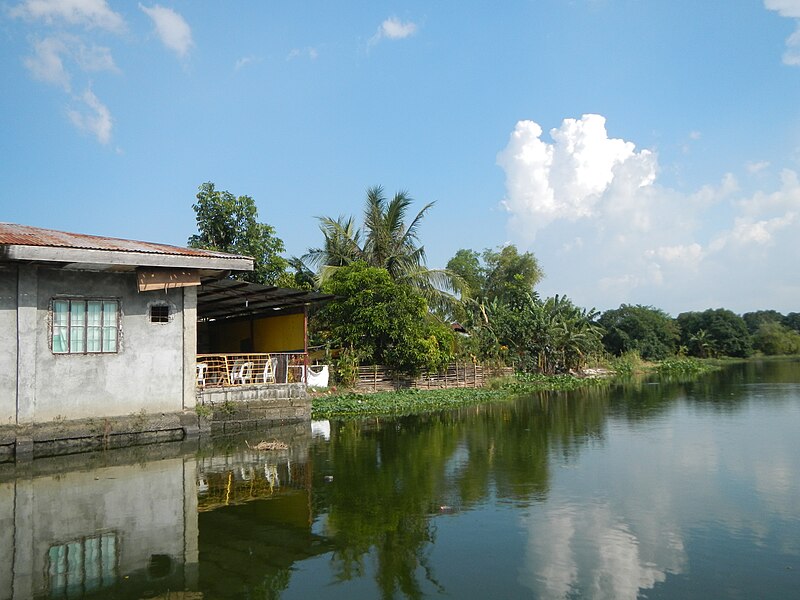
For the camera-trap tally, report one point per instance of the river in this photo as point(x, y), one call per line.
point(649, 489)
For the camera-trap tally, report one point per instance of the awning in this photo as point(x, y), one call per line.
point(228, 298)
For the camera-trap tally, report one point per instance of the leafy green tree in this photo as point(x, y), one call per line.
point(772, 339)
point(509, 274)
point(792, 321)
point(382, 321)
point(724, 332)
point(467, 265)
point(755, 319)
point(647, 329)
point(227, 223)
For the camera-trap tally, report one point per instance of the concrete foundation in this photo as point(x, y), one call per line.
point(222, 411)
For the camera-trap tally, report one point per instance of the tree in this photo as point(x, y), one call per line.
point(226, 223)
point(382, 321)
point(723, 332)
point(792, 321)
point(650, 331)
point(756, 319)
point(509, 274)
point(385, 242)
point(467, 265)
point(772, 338)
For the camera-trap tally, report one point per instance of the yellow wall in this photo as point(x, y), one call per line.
point(277, 334)
point(270, 334)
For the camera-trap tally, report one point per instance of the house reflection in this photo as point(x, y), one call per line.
point(177, 521)
point(119, 529)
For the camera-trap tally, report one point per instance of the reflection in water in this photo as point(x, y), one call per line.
point(117, 530)
point(657, 489)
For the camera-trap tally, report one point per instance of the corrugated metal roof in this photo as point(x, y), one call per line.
point(24, 235)
point(235, 298)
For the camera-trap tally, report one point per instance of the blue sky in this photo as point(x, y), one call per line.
point(645, 151)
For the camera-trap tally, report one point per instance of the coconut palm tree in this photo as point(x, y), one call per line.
point(386, 242)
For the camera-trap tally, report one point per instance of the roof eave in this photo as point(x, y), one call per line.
point(128, 258)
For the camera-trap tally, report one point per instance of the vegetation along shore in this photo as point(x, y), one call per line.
point(388, 308)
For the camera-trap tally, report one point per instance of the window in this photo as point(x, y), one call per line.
point(83, 566)
point(159, 313)
point(85, 326)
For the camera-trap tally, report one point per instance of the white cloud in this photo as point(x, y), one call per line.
point(785, 8)
point(393, 29)
point(94, 58)
point(565, 179)
point(95, 118)
point(88, 13)
point(310, 53)
point(173, 31)
point(641, 242)
point(46, 64)
point(244, 61)
point(756, 167)
point(791, 10)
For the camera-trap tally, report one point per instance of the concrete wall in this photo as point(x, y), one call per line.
point(146, 509)
point(8, 345)
point(146, 374)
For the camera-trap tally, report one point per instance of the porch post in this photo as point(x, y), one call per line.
point(305, 343)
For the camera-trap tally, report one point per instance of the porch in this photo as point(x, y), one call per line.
point(250, 368)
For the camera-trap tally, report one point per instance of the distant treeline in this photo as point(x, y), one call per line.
point(710, 333)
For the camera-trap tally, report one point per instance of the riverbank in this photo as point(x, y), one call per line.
point(414, 401)
point(351, 404)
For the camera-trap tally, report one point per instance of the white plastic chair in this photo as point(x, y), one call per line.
point(269, 369)
point(201, 374)
point(242, 372)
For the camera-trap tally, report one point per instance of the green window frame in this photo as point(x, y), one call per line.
point(85, 326)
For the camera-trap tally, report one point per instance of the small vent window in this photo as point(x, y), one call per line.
point(159, 313)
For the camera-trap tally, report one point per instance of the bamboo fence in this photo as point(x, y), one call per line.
point(377, 378)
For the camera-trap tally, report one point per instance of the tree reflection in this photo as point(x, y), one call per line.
point(389, 479)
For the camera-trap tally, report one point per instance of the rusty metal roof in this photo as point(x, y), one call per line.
point(24, 235)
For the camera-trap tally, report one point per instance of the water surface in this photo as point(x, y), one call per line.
point(650, 489)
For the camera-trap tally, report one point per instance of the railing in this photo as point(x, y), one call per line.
point(251, 368)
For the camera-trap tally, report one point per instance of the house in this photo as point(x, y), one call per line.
point(103, 332)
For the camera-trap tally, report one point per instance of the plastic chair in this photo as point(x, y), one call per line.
point(201, 374)
point(269, 369)
point(241, 373)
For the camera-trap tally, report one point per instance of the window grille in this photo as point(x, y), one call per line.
point(159, 313)
point(86, 326)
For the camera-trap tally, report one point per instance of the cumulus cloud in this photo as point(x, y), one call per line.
point(791, 10)
point(566, 179)
point(93, 118)
point(87, 13)
point(641, 242)
point(171, 28)
point(393, 29)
